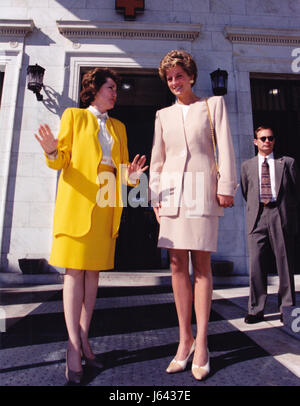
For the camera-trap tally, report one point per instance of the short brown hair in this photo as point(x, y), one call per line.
point(92, 82)
point(260, 128)
point(181, 58)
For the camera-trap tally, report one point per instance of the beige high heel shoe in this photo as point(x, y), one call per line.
point(177, 365)
point(200, 373)
point(72, 376)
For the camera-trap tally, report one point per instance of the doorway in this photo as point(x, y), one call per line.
point(140, 94)
point(276, 104)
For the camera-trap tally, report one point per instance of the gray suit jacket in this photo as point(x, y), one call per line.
point(287, 185)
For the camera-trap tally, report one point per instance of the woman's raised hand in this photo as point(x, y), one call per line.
point(136, 168)
point(46, 139)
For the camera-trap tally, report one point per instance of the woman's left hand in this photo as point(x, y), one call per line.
point(225, 201)
point(136, 168)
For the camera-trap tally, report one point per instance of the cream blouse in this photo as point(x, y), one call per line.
point(185, 108)
point(105, 139)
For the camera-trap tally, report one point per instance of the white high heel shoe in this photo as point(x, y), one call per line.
point(201, 372)
point(177, 365)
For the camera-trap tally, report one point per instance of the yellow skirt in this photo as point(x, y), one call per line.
point(95, 250)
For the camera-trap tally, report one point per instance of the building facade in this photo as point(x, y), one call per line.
point(256, 41)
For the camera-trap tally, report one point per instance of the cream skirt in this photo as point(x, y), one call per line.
point(181, 232)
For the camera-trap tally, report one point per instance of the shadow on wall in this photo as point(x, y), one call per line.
point(33, 266)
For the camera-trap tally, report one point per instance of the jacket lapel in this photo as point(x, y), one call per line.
point(279, 165)
point(178, 119)
point(93, 119)
point(254, 172)
point(115, 151)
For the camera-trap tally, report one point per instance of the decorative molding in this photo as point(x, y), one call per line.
point(125, 30)
point(16, 28)
point(262, 36)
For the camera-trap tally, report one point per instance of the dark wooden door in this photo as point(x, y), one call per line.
point(276, 104)
point(140, 95)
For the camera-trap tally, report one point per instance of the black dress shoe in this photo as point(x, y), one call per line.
point(254, 318)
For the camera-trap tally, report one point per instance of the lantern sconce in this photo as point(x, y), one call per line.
point(35, 75)
point(219, 82)
point(127, 85)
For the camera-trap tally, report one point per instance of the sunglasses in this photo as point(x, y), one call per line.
point(263, 139)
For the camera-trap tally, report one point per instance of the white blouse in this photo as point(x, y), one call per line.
point(105, 139)
point(184, 109)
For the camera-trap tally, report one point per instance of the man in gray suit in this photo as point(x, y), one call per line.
point(271, 188)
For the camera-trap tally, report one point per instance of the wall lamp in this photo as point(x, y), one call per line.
point(35, 75)
point(219, 82)
point(127, 85)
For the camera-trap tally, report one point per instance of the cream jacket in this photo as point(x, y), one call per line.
point(186, 146)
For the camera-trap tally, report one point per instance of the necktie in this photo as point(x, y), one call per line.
point(265, 186)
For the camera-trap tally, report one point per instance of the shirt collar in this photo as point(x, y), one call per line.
point(262, 158)
point(96, 112)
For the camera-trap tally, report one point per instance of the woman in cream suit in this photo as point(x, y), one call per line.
point(91, 151)
point(188, 199)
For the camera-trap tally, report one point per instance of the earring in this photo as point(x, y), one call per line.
point(191, 82)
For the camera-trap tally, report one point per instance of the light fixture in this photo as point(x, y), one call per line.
point(127, 85)
point(274, 92)
point(219, 82)
point(35, 74)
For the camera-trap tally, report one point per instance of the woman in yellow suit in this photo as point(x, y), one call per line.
point(91, 150)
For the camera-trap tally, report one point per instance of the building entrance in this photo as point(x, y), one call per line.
point(276, 104)
point(140, 94)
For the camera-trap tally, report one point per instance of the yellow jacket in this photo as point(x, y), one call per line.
point(79, 155)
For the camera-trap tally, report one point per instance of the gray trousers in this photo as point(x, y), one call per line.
point(267, 237)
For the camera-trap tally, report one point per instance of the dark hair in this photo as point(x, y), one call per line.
point(181, 58)
point(92, 82)
point(260, 128)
